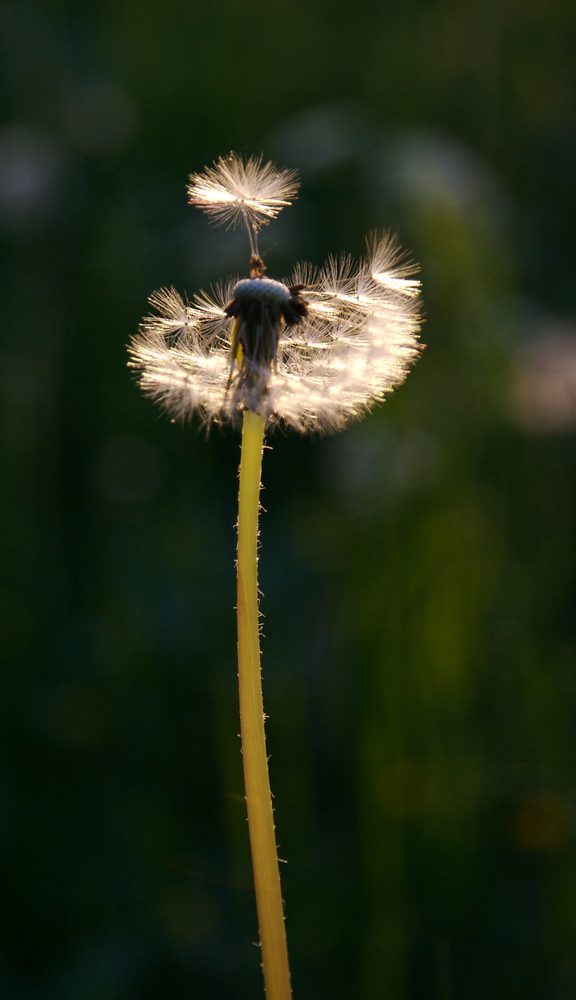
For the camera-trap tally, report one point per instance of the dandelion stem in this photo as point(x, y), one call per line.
point(258, 796)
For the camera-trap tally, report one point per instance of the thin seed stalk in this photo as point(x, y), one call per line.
point(256, 780)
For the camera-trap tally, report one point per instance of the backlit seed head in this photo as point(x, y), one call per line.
point(313, 351)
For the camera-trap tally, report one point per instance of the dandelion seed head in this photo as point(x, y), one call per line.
point(312, 351)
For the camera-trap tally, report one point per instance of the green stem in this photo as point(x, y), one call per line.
point(258, 797)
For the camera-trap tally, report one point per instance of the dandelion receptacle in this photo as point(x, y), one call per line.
point(313, 352)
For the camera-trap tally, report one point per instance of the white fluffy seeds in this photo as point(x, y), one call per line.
point(355, 345)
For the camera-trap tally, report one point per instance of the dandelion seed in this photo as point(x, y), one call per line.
point(236, 192)
point(312, 351)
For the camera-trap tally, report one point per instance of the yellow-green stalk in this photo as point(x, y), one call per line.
point(255, 761)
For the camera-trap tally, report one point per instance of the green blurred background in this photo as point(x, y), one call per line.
point(417, 570)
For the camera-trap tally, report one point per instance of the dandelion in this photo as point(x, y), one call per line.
point(312, 351)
